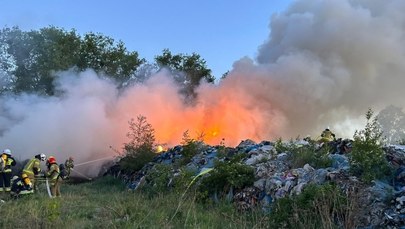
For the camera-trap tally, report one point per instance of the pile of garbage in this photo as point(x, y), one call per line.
point(381, 203)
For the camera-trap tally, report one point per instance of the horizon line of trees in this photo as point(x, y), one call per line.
point(29, 61)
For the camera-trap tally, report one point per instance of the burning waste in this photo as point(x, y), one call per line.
point(260, 175)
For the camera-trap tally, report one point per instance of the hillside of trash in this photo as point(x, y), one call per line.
point(278, 174)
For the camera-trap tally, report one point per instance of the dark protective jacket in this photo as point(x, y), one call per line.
point(19, 187)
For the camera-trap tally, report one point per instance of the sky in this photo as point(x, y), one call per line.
point(220, 31)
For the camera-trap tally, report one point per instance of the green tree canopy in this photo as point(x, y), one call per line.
point(38, 54)
point(188, 70)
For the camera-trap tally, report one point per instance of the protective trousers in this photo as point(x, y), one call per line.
point(55, 187)
point(5, 181)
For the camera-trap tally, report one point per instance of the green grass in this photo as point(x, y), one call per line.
point(106, 203)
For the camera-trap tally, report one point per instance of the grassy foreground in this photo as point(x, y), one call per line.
point(106, 203)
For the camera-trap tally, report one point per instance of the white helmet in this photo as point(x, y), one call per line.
point(7, 151)
point(43, 157)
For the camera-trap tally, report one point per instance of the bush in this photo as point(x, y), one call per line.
point(136, 158)
point(157, 179)
point(367, 157)
point(182, 180)
point(224, 177)
point(316, 207)
point(190, 148)
point(308, 155)
point(139, 151)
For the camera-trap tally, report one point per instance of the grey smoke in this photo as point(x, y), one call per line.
point(326, 62)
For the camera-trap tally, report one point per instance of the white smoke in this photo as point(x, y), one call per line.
point(88, 117)
point(76, 124)
point(328, 61)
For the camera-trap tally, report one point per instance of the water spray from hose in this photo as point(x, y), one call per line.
point(88, 162)
point(81, 174)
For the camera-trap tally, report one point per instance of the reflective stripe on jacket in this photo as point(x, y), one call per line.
point(31, 166)
point(10, 162)
point(53, 172)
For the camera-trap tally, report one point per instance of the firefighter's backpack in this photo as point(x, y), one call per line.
point(63, 173)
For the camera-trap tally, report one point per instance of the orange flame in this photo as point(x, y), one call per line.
point(220, 113)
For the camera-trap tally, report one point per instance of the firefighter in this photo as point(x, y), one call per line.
point(5, 173)
point(69, 164)
point(327, 136)
point(33, 168)
point(21, 186)
point(53, 174)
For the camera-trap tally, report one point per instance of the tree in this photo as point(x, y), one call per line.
point(7, 66)
point(39, 54)
point(141, 134)
point(19, 47)
point(102, 54)
point(392, 122)
point(187, 70)
point(367, 157)
point(140, 149)
point(54, 50)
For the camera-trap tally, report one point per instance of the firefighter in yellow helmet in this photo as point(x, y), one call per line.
point(33, 168)
point(53, 174)
point(5, 170)
point(21, 186)
point(327, 136)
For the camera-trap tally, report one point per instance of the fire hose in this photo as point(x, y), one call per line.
point(89, 178)
point(47, 188)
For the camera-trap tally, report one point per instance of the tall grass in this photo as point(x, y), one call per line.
point(106, 203)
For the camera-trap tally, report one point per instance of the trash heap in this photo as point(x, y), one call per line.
point(379, 204)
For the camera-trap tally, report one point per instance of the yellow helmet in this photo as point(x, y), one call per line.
point(23, 176)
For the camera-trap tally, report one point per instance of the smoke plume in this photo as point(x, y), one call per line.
point(324, 63)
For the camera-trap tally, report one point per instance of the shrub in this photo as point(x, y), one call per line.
point(139, 150)
point(221, 149)
point(225, 176)
point(182, 180)
point(158, 178)
point(190, 148)
point(308, 154)
point(316, 207)
point(282, 147)
point(367, 157)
